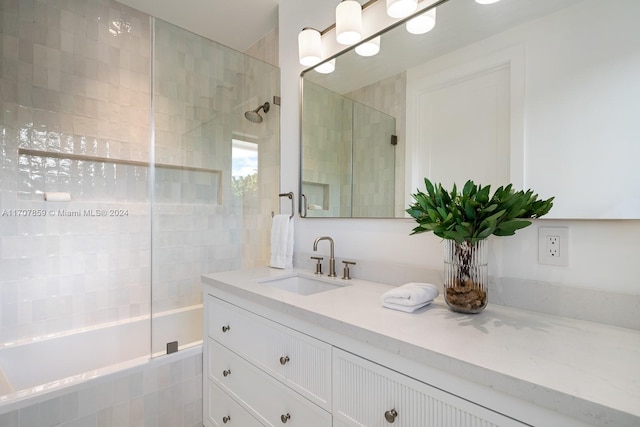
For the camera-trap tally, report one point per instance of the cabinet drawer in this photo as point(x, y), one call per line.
point(269, 400)
point(296, 359)
point(365, 394)
point(224, 411)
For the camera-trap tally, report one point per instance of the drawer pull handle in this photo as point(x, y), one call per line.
point(226, 419)
point(285, 418)
point(284, 360)
point(391, 416)
point(226, 328)
point(226, 372)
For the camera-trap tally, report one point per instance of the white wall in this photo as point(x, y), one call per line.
point(602, 253)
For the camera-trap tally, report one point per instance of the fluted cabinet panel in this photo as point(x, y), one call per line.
point(298, 360)
point(367, 394)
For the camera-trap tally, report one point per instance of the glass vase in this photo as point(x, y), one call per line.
point(466, 276)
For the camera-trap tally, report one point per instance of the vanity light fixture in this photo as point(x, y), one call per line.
point(348, 22)
point(309, 47)
point(326, 67)
point(369, 48)
point(401, 8)
point(422, 24)
point(487, 1)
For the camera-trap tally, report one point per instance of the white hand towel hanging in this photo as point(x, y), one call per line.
point(410, 296)
point(282, 242)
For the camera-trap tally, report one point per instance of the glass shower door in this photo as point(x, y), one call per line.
point(215, 174)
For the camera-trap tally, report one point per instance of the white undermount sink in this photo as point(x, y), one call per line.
point(303, 285)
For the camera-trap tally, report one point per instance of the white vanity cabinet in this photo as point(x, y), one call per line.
point(279, 376)
point(367, 394)
point(222, 410)
point(261, 371)
point(337, 358)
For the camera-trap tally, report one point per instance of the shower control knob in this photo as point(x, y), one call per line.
point(226, 372)
point(285, 418)
point(226, 328)
point(226, 419)
point(391, 416)
point(284, 360)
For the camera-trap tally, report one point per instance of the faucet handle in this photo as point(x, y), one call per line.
point(345, 272)
point(318, 264)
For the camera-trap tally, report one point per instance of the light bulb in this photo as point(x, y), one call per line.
point(369, 48)
point(326, 67)
point(401, 8)
point(422, 23)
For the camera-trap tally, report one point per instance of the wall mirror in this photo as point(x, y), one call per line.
point(540, 93)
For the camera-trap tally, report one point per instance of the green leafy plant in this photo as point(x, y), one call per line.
point(474, 214)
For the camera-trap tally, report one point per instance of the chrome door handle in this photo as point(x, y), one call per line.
point(226, 328)
point(226, 372)
point(226, 419)
point(284, 360)
point(285, 418)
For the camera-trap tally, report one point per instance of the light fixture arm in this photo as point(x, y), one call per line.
point(376, 22)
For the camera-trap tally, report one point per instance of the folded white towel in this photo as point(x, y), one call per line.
point(410, 296)
point(282, 242)
point(405, 308)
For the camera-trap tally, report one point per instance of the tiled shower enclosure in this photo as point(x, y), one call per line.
point(141, 124)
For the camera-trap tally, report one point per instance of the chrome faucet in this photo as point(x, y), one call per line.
point(332, 260)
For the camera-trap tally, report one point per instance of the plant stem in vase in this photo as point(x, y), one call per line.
point(466, 276)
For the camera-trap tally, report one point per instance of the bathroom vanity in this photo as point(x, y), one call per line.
point(282, 347)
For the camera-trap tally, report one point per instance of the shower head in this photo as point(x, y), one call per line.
point(254, 116)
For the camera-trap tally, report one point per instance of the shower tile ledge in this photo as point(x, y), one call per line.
point(583, 370)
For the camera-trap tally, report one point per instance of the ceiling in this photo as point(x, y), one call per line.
point(237, 24)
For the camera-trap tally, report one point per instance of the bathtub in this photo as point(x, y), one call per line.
point(39, 367)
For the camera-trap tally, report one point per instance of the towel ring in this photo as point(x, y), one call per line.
point(289, 195)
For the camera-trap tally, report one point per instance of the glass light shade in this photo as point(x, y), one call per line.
point(348, 22)
point(422, 23)
point(487, 1)
point(401, 8)
point(326, 67)
point(369, 48)
point(309, 47)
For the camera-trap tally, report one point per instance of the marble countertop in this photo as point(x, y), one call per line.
point(583, 369)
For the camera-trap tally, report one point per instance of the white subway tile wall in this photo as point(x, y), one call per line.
point(349, 170)
point(374, 163)
point(327, 151)
point(167, 392)
point(76, 80)
point(388, 96)
point(201, 91)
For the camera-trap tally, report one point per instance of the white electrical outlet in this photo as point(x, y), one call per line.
point(553, 246)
